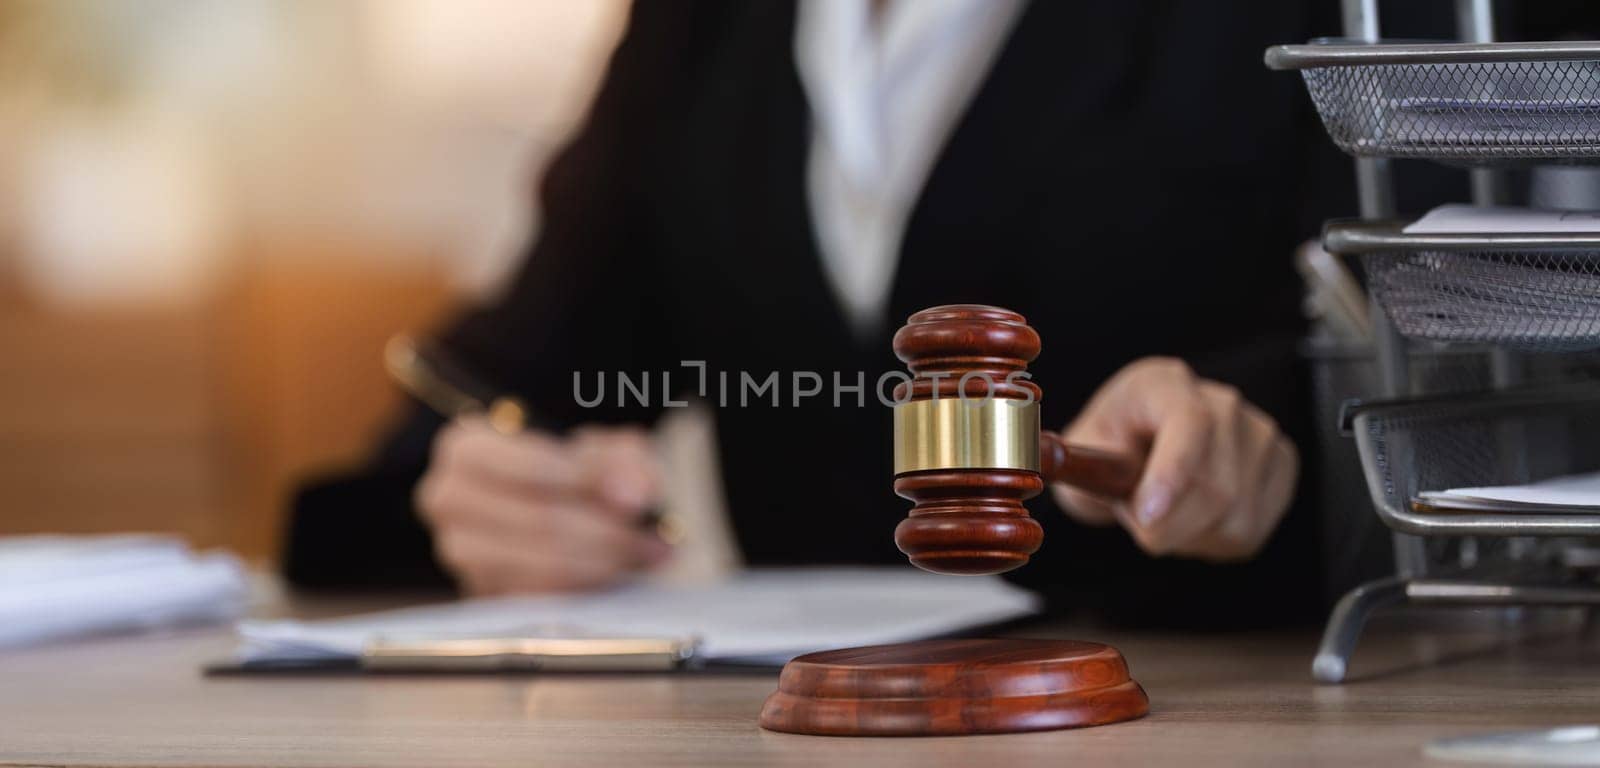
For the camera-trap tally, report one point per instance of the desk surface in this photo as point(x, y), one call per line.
point(1242, 699)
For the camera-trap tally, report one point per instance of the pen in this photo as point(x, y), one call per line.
point(433, 377)
point(576, 654)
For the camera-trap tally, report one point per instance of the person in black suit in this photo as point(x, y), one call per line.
point(1126, 175)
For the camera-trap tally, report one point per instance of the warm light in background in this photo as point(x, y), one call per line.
point(125, 208)
point(523, 64)
point(211, 214)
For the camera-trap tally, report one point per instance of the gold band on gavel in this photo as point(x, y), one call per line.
point(979, 433)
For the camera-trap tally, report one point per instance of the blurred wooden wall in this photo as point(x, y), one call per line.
point(200, 419)
point(108, 422)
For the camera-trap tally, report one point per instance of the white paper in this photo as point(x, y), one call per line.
point(1485, 220)
point(1535, 299)
point(1567, 491)
point(58, 587)
point(1566, 745)
point(767, 616)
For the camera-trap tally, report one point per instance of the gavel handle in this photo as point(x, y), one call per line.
point(1113, 475)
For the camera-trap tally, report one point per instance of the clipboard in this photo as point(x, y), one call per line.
point(501, 656)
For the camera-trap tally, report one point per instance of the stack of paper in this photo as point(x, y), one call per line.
point(1459, 218)
point(1566, 745)
point(756, 617)
point(54, 587)
point(1544, 299)
point(1568, 493)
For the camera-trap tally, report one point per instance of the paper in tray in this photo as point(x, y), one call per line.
point(1570, 493)
point(1540, 302)
point(1473, 112)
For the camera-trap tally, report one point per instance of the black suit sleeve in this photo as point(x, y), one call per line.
point(580, 304)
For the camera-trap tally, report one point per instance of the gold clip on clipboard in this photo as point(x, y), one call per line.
point(530, 654)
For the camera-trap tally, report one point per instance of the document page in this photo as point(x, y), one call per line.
point(60, 587)
point(758, 616)
point(1482, 220)
point(1580, 491)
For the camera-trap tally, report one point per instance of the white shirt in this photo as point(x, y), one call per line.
point(885, 94)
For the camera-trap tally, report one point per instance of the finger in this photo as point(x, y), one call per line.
point(1086, 508)
point(1184, 429)
point(1103, 424)
point(580, 529)
point(1122, 417)
point(1233, 533)
point(1282, 476)
point(1093, 427)
point(527, 460)
point(1272, 470)
point(585, 527)
point(1274, 486)
point(1245, 531)
point(1110, 421)
point(614, 465)
point(622, 463)
point(1212, 493)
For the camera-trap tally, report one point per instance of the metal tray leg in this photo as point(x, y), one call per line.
point(1349, 617)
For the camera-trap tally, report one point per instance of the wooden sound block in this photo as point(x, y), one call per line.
point(953, 688)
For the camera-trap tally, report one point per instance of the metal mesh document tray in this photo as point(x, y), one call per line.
point(1534, 292)
point(1510, 438)
point(1467, 103)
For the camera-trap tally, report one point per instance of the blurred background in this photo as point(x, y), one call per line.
point(212, 215)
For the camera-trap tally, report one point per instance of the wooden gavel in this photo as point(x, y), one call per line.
point(968, 449)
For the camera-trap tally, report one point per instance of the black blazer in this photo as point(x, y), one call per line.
point(1130, 177)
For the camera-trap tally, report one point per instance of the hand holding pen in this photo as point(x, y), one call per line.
point(521, 510)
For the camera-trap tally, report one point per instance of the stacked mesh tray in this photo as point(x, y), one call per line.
point(1484, 106)
point(1464, 103)
point(1534, 293)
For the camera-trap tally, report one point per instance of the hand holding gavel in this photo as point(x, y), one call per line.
point(1193, 469)
point(1219, 473)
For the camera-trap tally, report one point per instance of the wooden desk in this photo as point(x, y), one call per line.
point(1215, 700)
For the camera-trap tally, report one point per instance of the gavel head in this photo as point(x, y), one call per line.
point(966, 439)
